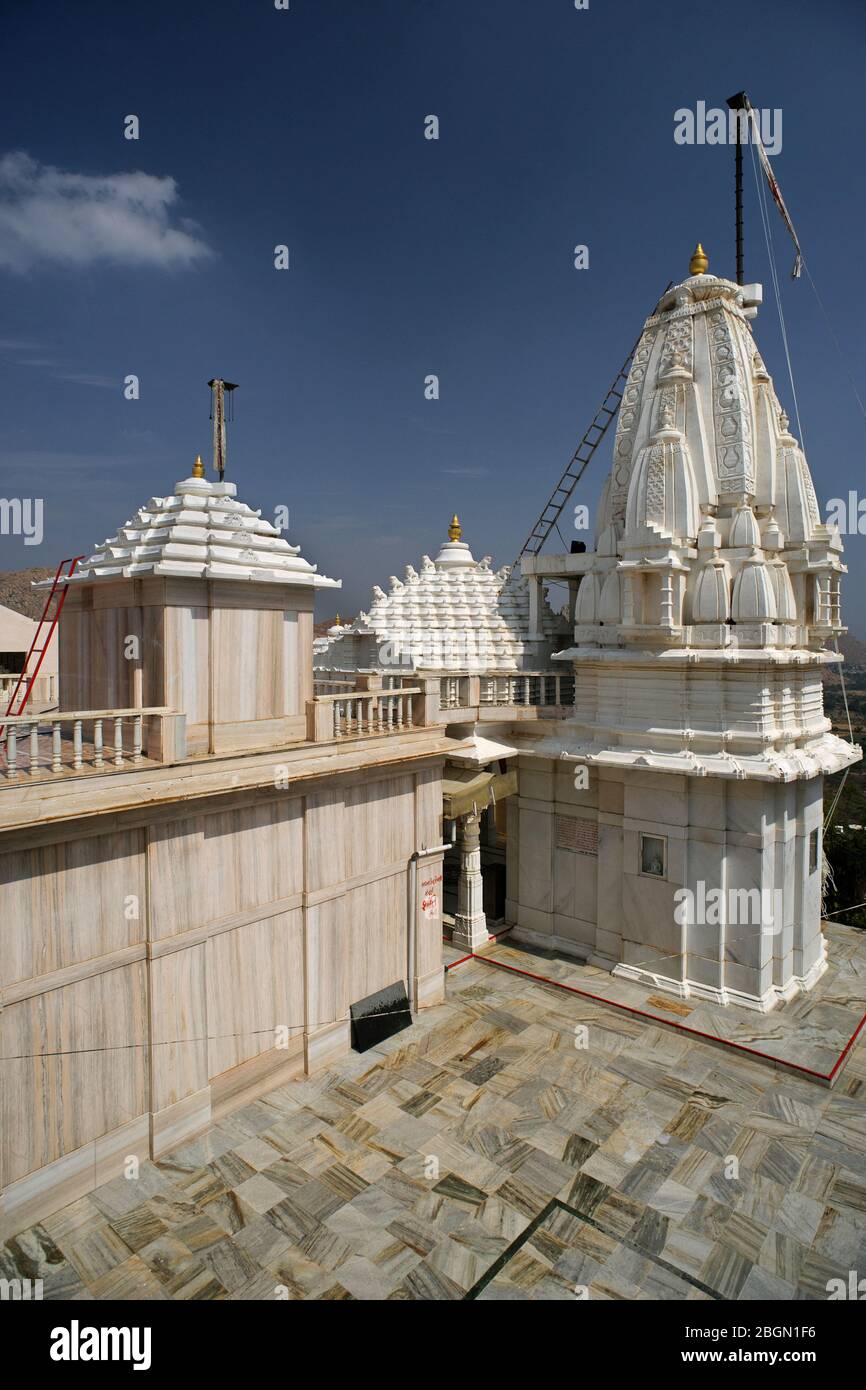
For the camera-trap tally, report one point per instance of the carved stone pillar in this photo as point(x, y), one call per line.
point(536, 630)
point(470, 924)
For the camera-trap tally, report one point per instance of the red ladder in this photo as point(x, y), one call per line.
point(41, 638)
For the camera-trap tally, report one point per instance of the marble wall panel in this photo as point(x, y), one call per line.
point(380, 824)
point(657, 799)
point(250, 664)
point(536, 858)
point(305, 659)
point(609, 889)
point(611, 793)
point(148, 1037)
point(69, 902)
point(428, 808)
point(179, 1026)
point(648, 913)
point(225, 862)
point(255, 986)
point(187, 638)
point(566, 791)
point(429, 924)
point(75, 1066)
point(325, 851)
point(375, 936)
point(325, 955)
point(537, 778)
point(707, 803)
point(747, 810)
point(575, 881)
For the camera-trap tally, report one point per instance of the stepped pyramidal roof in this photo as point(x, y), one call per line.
point(455, 613)
point(201, 531)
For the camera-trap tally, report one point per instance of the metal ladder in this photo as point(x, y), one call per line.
point(581, 457)
point(41, 638)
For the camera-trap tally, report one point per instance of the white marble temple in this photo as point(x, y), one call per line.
point(701, 626)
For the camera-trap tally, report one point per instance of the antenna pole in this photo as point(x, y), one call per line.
point(739, 103)
point(218, 388)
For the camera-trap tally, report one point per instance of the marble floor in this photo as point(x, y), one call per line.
point(809, 1035)
point(518, 1142)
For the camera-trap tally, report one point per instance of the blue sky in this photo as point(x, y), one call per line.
point(408, 256)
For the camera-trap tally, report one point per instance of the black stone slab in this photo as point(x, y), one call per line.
point(379, 1016)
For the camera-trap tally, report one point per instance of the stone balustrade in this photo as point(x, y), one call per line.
point(508, 690)
point(520, 694)
point(333, 685)
point(54, 744)
point(363, 711)
point(45, 688)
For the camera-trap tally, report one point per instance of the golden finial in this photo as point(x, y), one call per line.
point(455, 530)
point(338, 621)
point(698, 264)
point(198, 467)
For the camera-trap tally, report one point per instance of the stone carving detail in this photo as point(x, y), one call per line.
point(666, 413)
point(655, 485)
point(679, 343)
point(629, 409)
point(730, 408)
point(689, 311)
point(759, 371)
point(811, 498)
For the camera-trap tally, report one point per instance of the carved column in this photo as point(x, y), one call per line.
point(536, 631)
point(470, 924)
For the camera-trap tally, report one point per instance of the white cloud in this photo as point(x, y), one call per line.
point(88, 379)
point(51, 217)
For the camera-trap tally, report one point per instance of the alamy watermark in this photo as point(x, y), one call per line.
point(20, 1290)
point(22, 516)
point(711, 907)
point(848, 514)
point(716, 125)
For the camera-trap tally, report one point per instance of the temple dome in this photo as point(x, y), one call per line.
point(711, 602)
point(744, 529)
point(455, 613)
point(754, 599)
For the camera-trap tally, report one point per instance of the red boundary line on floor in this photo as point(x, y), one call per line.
point(494, 936)
point(680, 1027)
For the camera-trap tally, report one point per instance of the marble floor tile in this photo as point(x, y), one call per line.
point(326, 1189)
point(259, 1194)
point(97, 1252)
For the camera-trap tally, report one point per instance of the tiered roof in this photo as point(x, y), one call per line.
point(202, 531)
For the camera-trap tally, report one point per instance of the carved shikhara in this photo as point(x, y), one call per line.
point(623, 449)
point(731, 408)
point(700, 629)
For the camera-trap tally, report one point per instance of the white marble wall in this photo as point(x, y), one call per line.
point(235, 658)
point(157, 974)
point(738, 836)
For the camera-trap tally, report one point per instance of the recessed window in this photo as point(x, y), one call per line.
point(813, 851)
point(653, 850)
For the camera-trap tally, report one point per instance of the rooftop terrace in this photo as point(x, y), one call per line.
point(606, 1168)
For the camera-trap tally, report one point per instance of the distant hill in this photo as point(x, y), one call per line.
point(853, 649)
point(16, 593)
